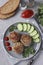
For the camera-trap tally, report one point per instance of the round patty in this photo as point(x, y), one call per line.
point(14, 37)
point(26, 40)
point(18, 48)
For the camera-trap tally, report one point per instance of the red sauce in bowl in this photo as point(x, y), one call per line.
point(27, 14)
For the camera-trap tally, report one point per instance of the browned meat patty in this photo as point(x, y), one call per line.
point(14, 36)
point(26, 40)
point(18, 48)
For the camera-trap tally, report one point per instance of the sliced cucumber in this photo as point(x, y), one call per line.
point(33, 33)
point(20, 27)
point(37, 40)
point(31, 29)
point(28, 27)
point(24, 27)
point(36, 36)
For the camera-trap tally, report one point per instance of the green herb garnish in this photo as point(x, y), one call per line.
point(28, 51)
point(12, 28)
point(40, 14)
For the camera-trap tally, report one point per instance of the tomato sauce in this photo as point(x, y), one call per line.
point(27, 14)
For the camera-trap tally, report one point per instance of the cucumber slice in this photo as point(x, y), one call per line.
point(37, 40)
point(31, 29)
point(28, 27)
point(33, 33)
point(24, 27)
point(36, 36)
point(20, 27)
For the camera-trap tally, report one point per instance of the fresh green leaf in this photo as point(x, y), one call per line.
point(12, 28)
point(28, 51)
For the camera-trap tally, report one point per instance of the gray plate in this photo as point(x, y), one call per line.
point(19, 56)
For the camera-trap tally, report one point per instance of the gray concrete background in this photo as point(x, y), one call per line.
point(4, 24)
